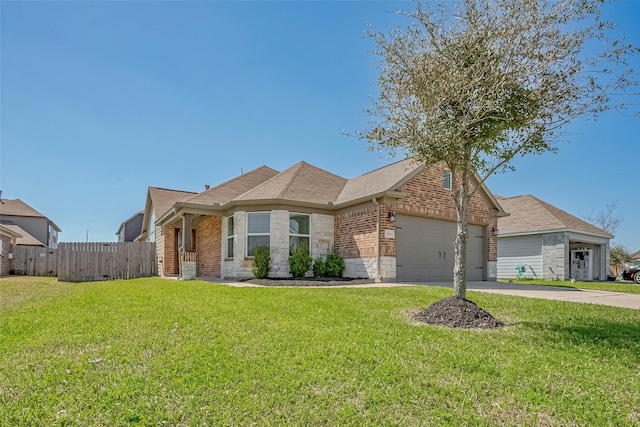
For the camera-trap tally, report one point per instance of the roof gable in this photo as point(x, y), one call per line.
point(530, 214)
point(300, 183)
point(162, 199)
point(378, 181)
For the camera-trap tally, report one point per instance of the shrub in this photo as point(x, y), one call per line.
point(319, 267)
point(299, 263)
point(334, 264)
point(261, 261)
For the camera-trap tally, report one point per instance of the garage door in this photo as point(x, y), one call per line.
point(425, 251)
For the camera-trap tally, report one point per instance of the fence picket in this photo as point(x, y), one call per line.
point(77, 262)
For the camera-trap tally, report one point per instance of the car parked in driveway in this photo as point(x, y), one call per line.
point(632, 273)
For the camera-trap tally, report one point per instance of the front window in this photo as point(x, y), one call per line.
point(230, 236)
point(258, 231)
point(298, 232)
point(447, 180)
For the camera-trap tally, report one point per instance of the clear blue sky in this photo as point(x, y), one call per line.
point(100, 100)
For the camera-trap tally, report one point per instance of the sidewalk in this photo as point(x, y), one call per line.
point(614, 299)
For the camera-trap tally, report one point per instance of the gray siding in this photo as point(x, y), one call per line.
point(37, 227)
point(524, 250)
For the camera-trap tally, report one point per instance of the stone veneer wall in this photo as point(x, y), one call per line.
point(321, 242)
point(555, 256)
point(208, 247)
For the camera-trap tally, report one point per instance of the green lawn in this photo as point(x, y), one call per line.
point(629, 288)
point(158, 352)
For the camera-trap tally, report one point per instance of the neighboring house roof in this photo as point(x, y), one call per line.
point(9, 232)
point(530, 214)
point(129, 219)
point(25, 238)
point(302, 184)
point(16, 207)
point(635, 255)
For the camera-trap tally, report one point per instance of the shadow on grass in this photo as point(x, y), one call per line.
point(621, 336)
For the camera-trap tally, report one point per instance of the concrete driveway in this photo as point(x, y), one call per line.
point(614, 299)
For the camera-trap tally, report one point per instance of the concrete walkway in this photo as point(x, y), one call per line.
point(614, 299)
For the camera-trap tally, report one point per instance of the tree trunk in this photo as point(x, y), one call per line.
point(461, 196)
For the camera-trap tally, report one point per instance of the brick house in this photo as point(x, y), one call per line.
point(393, 223)
point(8, 239)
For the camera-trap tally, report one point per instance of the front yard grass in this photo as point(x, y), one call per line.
point(629, 288)
point(159, 352)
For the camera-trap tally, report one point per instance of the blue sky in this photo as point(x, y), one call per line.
point(100, 100)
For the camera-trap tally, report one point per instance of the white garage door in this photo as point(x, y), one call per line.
point(425, 250)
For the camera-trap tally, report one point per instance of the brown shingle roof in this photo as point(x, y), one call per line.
point(163, 199)
point(26, 239)
point(18, 208)
point(300, 183)
point(530, 214)
point(378, 181)
point(4, 230)
point(233, 188)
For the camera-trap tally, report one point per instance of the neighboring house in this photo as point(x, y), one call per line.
point(131, 228)
point(7, 242)
point(394, 223)
point(549, 243)
point(37, 229)
point(635, 258)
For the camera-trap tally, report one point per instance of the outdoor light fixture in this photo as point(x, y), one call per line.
point(493, 229)
point(392, 216)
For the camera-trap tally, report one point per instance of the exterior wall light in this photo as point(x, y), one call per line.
point(392, 216)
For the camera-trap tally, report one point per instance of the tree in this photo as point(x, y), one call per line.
point(471, 84)
point(619, 256)
point(606, 219)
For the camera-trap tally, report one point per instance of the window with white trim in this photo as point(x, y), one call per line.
point(230, 237)
point(258, 231)
point(447, 180)
point(299, 230)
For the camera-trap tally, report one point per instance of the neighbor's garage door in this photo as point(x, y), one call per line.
point(425, 251)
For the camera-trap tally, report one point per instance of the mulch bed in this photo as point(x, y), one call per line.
point(457, 313)
point(310, 281)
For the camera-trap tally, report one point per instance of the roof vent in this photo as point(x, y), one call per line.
point(207, 186)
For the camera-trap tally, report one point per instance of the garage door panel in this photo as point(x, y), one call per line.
point(425, 250)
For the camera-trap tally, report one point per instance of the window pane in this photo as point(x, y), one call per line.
point(230, 247)
point(447, 179)
point(297, 242)
point(258, 222)
point(255, 241)
point(230, 226)
point(298, 224)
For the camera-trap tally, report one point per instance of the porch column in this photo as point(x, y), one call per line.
point(188, 256)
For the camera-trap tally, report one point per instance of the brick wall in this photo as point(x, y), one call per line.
point(169, 261)
point(5, 262)
point(427, 197)
point(355, 231)
point(208, 247)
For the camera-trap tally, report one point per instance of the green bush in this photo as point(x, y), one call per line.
point(299, 263)
point(319, 267)
point(334, 264)
point(261, 261)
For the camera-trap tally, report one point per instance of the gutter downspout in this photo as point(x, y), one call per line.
point(378, 278)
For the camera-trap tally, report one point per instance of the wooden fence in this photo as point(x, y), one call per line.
point(85, 262)
point(34, 261)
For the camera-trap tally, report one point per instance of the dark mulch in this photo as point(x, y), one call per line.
point(457, 313)
point(310, 281)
